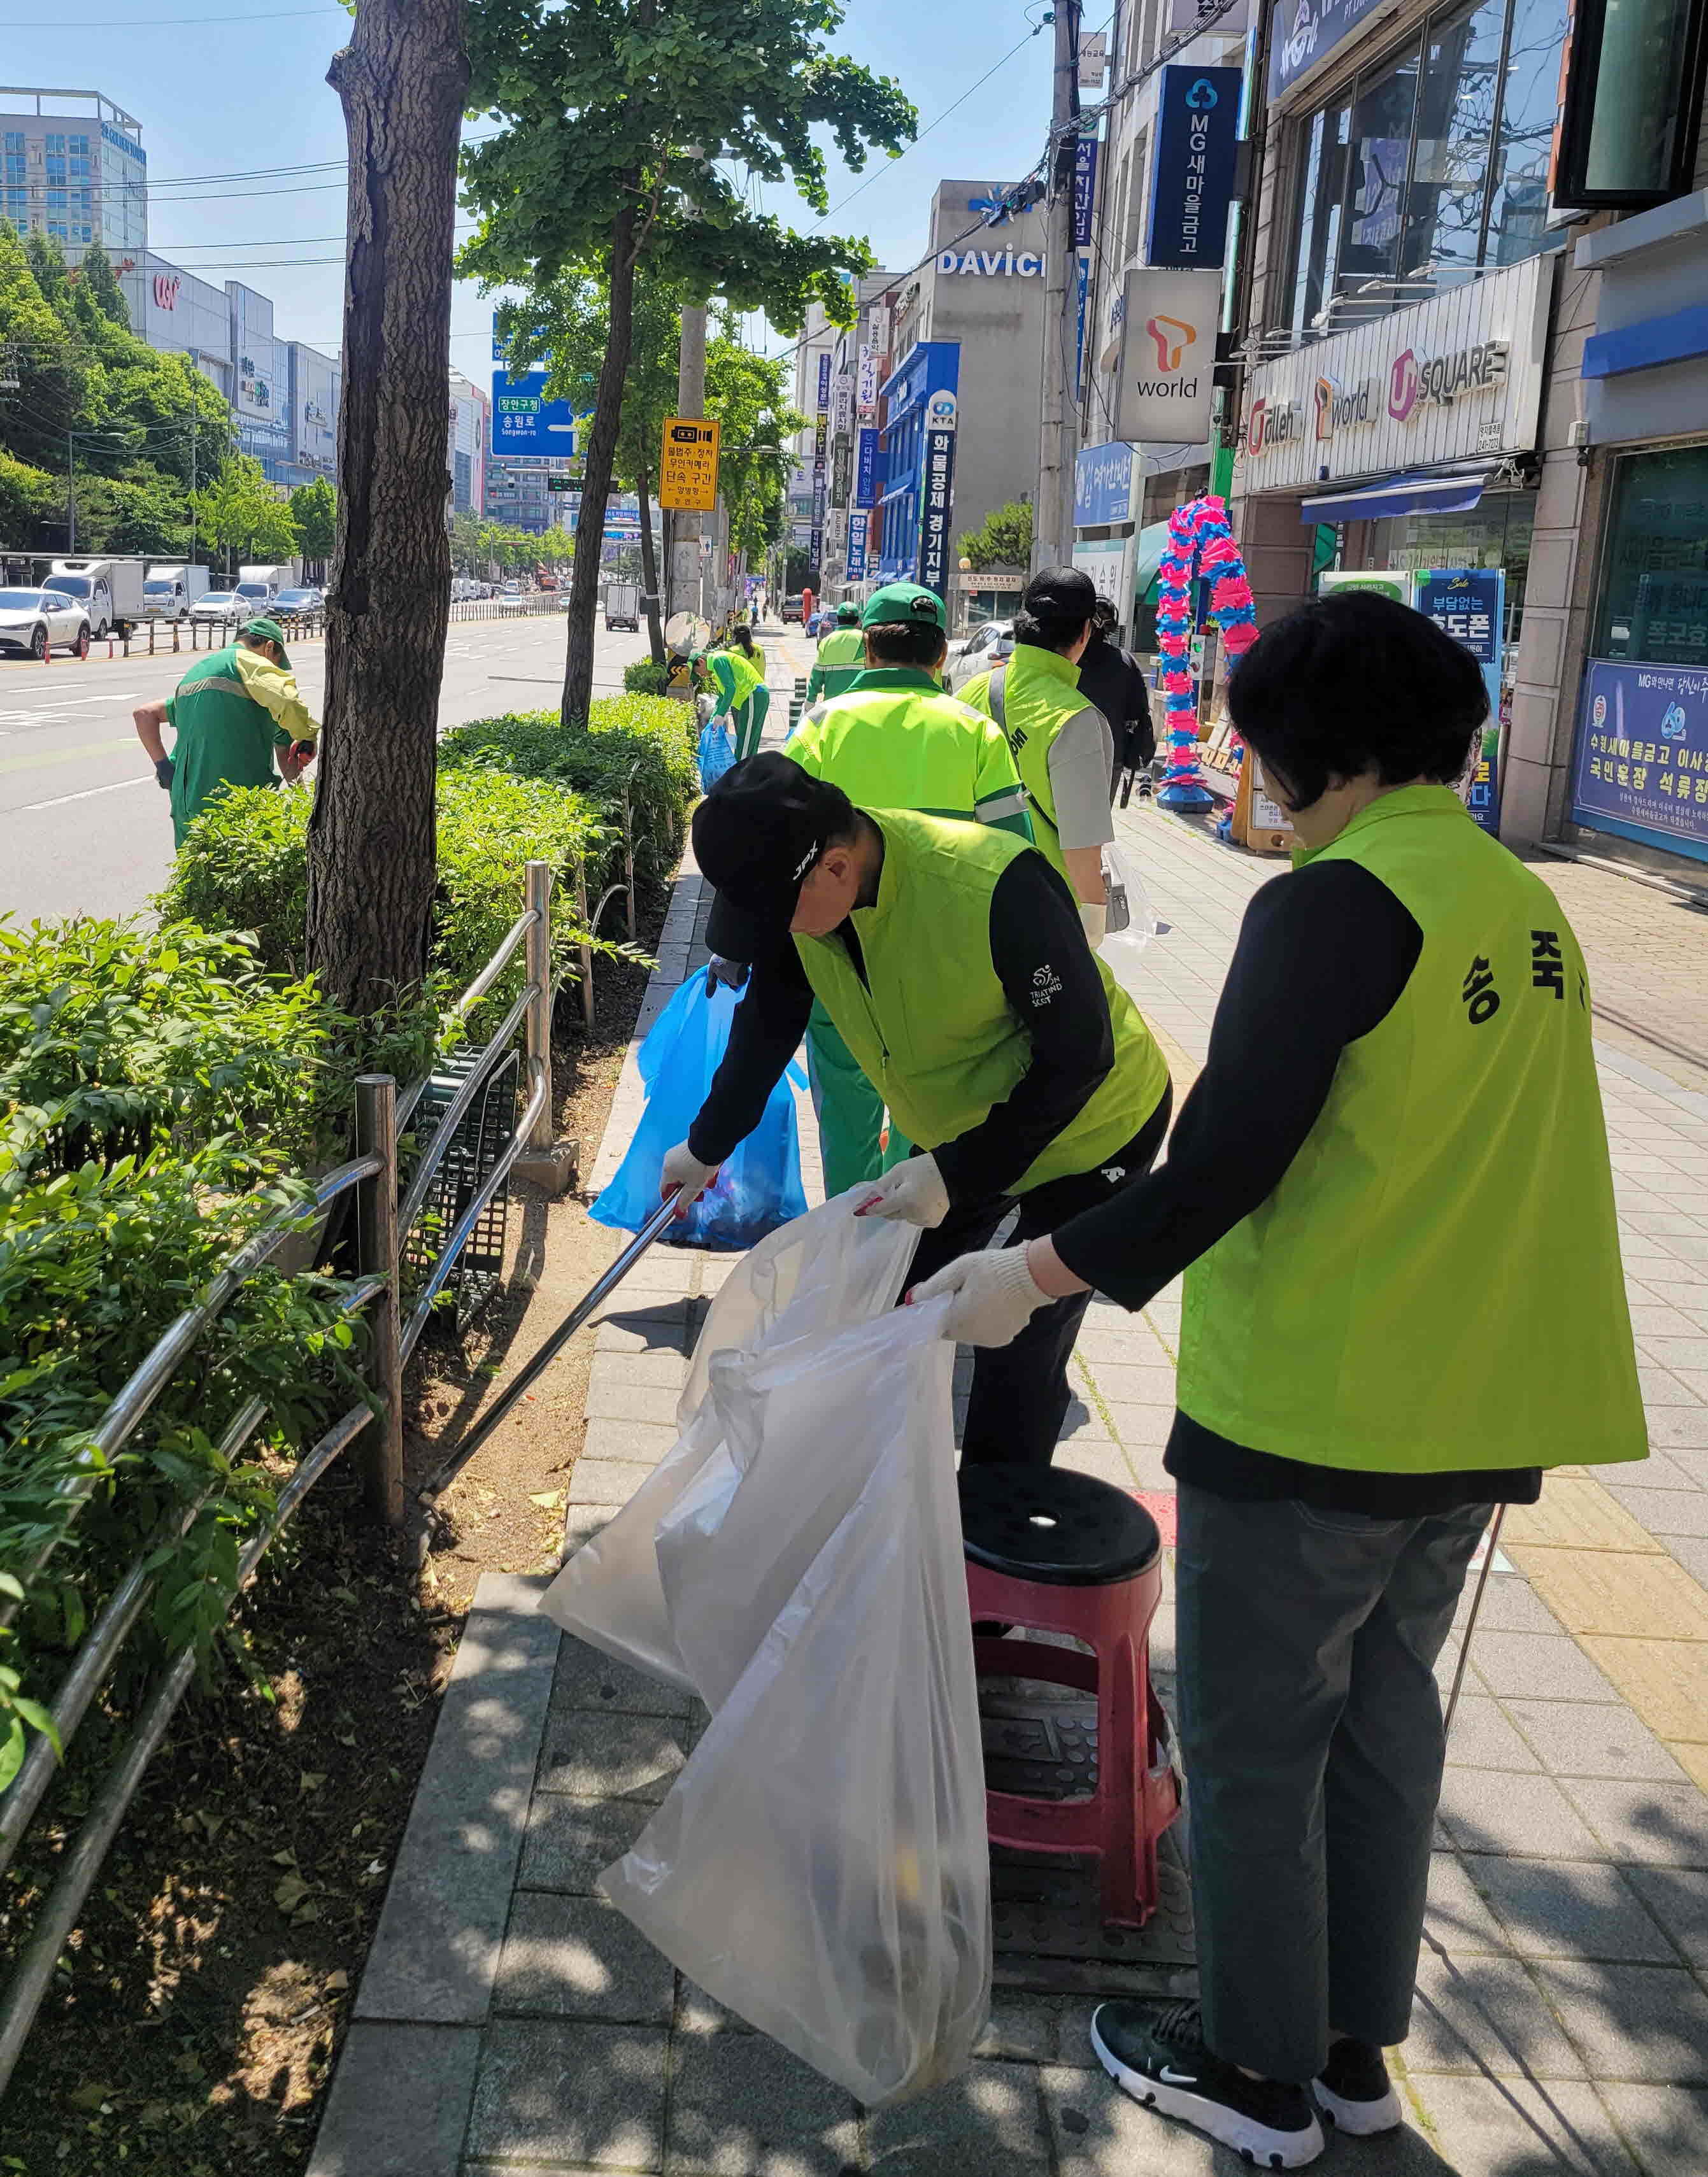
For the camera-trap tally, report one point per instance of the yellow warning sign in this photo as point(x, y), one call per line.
point(688, 473)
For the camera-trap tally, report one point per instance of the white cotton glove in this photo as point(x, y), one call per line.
point(1095, 920)
point(992, 1296)
point(912, 1194)
point(683, 1168)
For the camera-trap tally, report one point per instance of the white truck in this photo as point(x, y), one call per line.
point(171, 590)
point(110, 590)
point(623, 605)
point(258, 586)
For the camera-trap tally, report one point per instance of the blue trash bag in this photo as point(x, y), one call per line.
point(759, 1187)
point(716, 751)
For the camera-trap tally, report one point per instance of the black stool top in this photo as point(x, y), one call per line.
point(1061, 1529)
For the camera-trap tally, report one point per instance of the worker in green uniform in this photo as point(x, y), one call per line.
point(952, 964)
point(231, 712)
point(841, 654)
point(1404, 1301)
point(742, 696)
point(1062, 745)
point(895, 740)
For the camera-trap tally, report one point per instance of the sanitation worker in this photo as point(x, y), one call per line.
point(739, 683)
point(232, 713)
point(1405, 1299)
point(1063, 747)
point(951, 961)
point(895, 740)
point(841, 655)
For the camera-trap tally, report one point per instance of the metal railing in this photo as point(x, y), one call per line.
point(383, 1225)
point(147, 637)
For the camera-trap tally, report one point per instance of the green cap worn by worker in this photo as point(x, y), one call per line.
point(895, 740)
point(841, 655)
point(231, 712)
point(1063, 748)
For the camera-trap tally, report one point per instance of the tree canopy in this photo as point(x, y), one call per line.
point(1002, 539)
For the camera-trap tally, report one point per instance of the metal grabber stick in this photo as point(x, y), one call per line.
point(1493, 1541)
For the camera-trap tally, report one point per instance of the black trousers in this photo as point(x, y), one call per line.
point(1020, 1394)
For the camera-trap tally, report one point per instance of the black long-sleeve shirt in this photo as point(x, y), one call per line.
point(1050, 977)
point(1113, 680)
point(1322, 958)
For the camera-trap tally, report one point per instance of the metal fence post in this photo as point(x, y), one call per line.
point(376, 1251)
point(628, 858)
point(538, 900)
point(587, 948)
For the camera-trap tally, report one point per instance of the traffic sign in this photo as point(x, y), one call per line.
point(523, 420)
point(688, 473)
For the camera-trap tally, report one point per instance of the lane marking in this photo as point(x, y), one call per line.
point(64, 756)
point(88, 793)
point(77, 703)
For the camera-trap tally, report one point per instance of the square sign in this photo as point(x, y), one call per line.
point(688, 473)
point(523, 420)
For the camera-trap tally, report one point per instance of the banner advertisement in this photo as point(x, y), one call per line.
point(866, 469)
point(938, 496)
point(1085, 190)
point(1469, 604)
point(857, 550)
point(867, 383)
point(1103, 478)
point(824, 381)
point(842, 407)
point(1192, 170)
point(1168, 355)
point(1642, 754)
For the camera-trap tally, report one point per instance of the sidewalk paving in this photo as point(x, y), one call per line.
point(510, 2021)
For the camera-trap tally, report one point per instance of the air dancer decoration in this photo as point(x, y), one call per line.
point(1200, 545)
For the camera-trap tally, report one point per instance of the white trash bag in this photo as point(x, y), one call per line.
point(824, 1273)
point(821, 1864)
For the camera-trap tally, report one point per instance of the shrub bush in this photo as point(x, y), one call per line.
point(646, 677)
point(134, 1037)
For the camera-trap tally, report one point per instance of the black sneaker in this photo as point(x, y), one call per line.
point(1160, 2058)
point(1354, 2093)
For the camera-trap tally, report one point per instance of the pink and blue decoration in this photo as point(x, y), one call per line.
point(1201, 546)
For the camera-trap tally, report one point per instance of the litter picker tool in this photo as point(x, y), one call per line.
point(1491, 1543)
point(600, 1291)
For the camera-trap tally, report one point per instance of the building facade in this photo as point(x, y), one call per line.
point(72, 166)
point(470, 420)
point(529, 491)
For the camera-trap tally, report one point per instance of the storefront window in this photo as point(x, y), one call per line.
point(1380, 148)
point(1495, 533)
point(1655, 587)
point(1398, 192)
point(1455, 125)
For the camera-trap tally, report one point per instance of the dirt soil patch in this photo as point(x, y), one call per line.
point(197, 2010)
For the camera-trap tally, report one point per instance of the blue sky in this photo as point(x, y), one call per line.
point(221, 90)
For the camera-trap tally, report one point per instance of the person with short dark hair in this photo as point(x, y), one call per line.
point(949, 959)
point(1061, 742)
point(1391, 1194)
point(1112, 678)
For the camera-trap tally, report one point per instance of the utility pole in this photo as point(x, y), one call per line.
point(1050, 533)
point(71, 490)
point(193, 480)
point(684, 526)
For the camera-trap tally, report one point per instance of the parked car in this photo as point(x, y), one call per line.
point(791, 609)
point(985, 647)
point(221, 609)
point(38, 621)
point(296, 604)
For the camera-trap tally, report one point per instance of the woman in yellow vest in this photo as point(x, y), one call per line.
point(1063, 748)
point(950, 960)
point(1404, 1301)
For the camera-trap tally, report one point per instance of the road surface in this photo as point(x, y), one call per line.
point(83, 828)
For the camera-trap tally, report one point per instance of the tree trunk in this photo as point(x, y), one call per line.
point(649, 568)
point(596, 488)
point(372, 848)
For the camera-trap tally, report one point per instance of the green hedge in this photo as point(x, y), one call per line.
point(644, 676)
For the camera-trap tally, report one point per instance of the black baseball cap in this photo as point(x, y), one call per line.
point(1061, 593)
point(756, 835)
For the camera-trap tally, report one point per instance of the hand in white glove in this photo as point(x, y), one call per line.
point(912, 1194)
point(1094, 920)
point(992, 1296)
point(683, 1168)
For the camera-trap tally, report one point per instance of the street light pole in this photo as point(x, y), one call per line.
point(71, 490)
point(684, 526)
point(1050, 532)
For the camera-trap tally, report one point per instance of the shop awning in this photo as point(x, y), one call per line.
point(1152, 546)
point(1417, 494)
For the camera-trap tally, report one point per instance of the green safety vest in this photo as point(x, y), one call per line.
point(1032, 696)
point(225, 737)
point(1436, 1282)
point(931, 1025)
point(897, 741)
point(736, 675)
point(841, 655)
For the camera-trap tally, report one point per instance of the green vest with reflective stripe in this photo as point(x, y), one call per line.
point(897, 741)
point(1036, 693)
point(841, 655)
point(931, 1026)
point(736, 674)
point(1436, 1282)
point(225, 737)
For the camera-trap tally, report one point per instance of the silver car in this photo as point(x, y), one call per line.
point(992, 644)
point(36, 622)
point(223, 608)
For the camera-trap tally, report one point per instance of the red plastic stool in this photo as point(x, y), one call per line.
point(1059, 1552)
